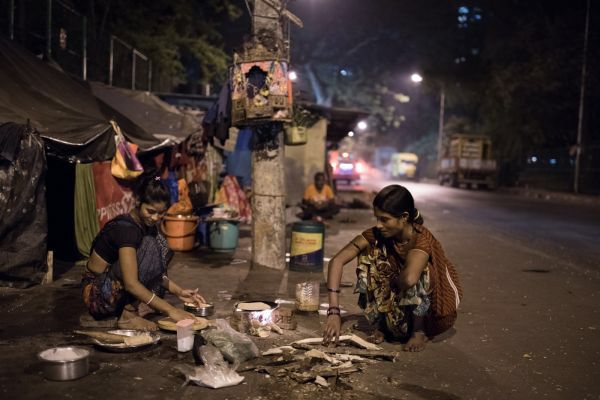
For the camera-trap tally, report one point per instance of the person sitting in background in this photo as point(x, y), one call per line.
point(128, 263)
point(318, 202)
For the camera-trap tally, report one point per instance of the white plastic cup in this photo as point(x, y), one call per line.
point(185, 335)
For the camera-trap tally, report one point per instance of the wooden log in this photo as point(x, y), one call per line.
point(344, 338)
point(381, 354)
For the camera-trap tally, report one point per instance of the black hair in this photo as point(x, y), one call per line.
point(397, 200)
point(319, 174)
point(150, 188)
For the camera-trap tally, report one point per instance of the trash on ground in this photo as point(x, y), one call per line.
point(235, 346)
point(307, 360)
point(215, 373)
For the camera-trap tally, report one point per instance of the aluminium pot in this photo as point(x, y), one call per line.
point(65, 363)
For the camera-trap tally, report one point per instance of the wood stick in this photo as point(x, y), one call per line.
point(385, 355)
point(303, 377)
point(352, 338)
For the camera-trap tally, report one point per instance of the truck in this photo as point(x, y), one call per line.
point(467, 161)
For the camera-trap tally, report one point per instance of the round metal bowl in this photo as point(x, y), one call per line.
point(65, 363)
point(204, 311)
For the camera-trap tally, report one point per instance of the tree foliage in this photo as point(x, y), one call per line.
point(513, 72)
point(175, 33)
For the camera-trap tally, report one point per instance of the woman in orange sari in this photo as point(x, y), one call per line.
point(407, 288)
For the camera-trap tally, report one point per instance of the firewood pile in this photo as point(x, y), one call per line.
point(307, 360)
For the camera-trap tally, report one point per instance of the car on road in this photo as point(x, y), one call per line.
point(347, 169)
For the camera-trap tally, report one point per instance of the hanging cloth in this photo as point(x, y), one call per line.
point(86, 217)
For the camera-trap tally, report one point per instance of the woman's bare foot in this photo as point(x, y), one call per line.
point(130, 320)
point(376, 337)
point(143, 310)
point(416, 342)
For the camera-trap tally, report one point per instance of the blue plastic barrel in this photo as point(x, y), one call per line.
point(223, 235)
point(306, 247)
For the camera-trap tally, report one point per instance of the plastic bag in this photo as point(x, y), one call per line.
point(235, 346)
point(215, 373)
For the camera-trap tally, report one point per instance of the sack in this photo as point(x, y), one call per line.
point(125, 164)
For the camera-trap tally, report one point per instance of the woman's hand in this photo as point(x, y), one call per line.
point(177, 315)
point(191, 296)
point(332, 329)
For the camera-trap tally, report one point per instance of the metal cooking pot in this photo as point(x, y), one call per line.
point(65, 363)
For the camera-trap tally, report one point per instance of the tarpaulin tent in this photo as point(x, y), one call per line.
point(70, 119)
point(148, 111)
point(74, 125)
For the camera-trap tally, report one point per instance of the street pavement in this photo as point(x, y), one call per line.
point(528, 326)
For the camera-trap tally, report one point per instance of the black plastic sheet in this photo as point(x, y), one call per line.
point(23, 218)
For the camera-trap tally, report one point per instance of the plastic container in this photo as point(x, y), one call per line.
point(307, 296)
point(185, 335)
point(180, 231)
point(306, 248)
point(223, 235)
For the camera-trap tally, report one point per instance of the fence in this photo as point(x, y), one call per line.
point(554, 169)
point(60, 33)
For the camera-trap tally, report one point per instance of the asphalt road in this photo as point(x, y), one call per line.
point(529, 325)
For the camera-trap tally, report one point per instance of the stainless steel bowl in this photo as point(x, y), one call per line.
point(65, 363)
point(204, 311)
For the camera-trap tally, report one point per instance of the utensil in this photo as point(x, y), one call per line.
point(204, 310)
point(65, 363)
point(131, 342)
point(130, 337)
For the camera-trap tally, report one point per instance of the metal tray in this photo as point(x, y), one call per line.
point(122, 347)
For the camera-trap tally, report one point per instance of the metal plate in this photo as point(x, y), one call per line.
point(122, 347)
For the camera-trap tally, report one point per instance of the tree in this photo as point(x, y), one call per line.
point(182, 37)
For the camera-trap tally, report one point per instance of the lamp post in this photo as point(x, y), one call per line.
point(417, 78)
point(440, 139)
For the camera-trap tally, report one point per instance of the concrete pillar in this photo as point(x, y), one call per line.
point(268, 197)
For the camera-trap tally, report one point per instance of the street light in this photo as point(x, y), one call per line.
point(362, 125)
point(416, 78)
point(293, 76)
point(351, 133)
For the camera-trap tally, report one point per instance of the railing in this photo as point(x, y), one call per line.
point(61, 34)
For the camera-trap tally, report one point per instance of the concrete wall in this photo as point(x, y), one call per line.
point(302, 162)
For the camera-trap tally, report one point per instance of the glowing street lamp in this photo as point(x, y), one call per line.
point(362, 125)
point(293, 76)
point(351, 133)
point(416, 78)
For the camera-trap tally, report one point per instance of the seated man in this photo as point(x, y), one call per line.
point(318, 201)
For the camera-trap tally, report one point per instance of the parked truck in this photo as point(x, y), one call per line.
point(468, 161)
